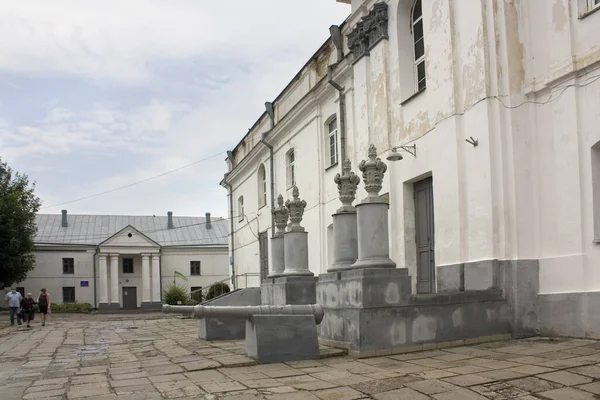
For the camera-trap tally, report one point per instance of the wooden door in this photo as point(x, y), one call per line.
point(423, 196)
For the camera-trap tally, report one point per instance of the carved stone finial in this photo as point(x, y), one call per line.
point(347, 183)
point(373, 170)
point(280, 213)
point(296, 211)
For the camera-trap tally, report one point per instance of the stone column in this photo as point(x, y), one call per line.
point(156, 292)
point(114, 281)
point(146, 302)
point(295, 240)
point(345, 241)
point(372, 217)
point(280, 214)
point(103, 281)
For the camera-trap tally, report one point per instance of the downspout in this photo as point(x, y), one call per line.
point(338, 41)
point(231, 227)
point(95, 286)
point(271, 113)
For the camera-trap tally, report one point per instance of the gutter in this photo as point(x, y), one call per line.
point(271, 112)
point(226, 185)
point(95, 286)
point(342, 98)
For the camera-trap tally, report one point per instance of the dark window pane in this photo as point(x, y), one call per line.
point(333, 125)
point(128, 265)
point(421, 75)
point(417, 12)
point(419, 49)
point(68, 266)
point(418, 30)
point(68, 294)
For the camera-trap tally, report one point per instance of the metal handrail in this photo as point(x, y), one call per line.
point(204, 290)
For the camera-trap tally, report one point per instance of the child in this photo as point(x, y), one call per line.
point(27, 307)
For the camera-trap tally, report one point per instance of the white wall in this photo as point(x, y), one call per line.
point(214, 265)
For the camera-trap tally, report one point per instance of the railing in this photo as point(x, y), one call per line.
point(202, 293)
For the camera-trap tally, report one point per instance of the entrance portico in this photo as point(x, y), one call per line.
point(120, 259)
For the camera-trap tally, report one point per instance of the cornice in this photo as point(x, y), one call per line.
point(369, 31)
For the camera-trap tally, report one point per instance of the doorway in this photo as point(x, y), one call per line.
point(424, 235)
point(263, 245)
point(129, 298)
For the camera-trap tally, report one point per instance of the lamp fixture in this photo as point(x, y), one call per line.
point(395, 156)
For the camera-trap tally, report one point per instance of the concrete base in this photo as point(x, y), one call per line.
point(109, 307)
point(277, 256)
point(295, 246)
point(151, 306)
point(279, 338)
point(228, 328)
point(289, 290)
point(372, 234)
point(570, 314)
point(345, 241)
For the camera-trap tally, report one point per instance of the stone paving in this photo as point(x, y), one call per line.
point(145, 356)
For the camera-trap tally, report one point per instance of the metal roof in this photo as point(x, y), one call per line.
point(94, 229)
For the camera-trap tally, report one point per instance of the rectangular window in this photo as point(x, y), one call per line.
point(241, 208)
point(128, 265)
point(291, 168)
point(196, 293)
point(333, 154)
point(194, 267)
point(418, 45)
point(68, 265)
point(68, 294)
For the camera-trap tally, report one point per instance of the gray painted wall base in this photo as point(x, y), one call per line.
point(570, 314)
point(289, 290)
point(228, 328)
point(148, 305)
point(279, 338)
point(108, 307)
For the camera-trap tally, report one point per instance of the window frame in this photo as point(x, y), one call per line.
point(65, 264)
point(332, 147)
point(241, 208)
point(132, 265)
point(262, 186)
point(192, 268)
point(420, 61)
point(291, 168)
point(64, 300)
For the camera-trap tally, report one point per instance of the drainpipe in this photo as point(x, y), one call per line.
point(271, 113)
point(228, 186)
point(95, 287)
point(342, 113)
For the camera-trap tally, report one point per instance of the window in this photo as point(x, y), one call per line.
point(262, 186)
point(128, 265)
point(68, 294)
point(594, 3)
point(291, 159)
point(241, 208)
point(332, 142)
point(194, 267)
point(418, 45)
point(68, 265)
point(196, 293)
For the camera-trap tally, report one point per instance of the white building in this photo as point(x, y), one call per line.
point(500, 101)
point(126, 262)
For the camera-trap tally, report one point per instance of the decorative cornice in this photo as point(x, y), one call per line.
point(369, 31)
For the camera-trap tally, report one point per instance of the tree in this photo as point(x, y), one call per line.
point(217, 289)
point(18, 206)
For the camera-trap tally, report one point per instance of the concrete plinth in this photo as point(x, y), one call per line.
point(277, 256)
point(279, 338)
point(345, 241)
point(148, 305)
point(296, 254)
point(109, 307)
point(372, 234)
point(289, 290)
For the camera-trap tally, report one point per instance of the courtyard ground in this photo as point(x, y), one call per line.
point(152, 356)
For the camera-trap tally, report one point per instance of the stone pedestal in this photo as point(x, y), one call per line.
point(373, 238)
point(279, 338)
point(296, 254)
point(345, 243)
point(277, 256)
point(289, 290)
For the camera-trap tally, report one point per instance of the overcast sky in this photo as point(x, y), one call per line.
point(95, 95)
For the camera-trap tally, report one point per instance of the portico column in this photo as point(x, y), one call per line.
point(114, 281)
point(103, 278)
point(156, 280)
point(146, 281)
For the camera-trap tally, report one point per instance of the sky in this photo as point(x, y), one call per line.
point(97, 95)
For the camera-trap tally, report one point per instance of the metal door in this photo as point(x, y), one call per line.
point(424, 236)
point(129, 298)
point(263, 245)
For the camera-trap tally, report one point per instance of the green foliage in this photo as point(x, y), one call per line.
point(18, 206)
point(196, 298)
point(69, 308)
point(217, 289)
point(175, 294)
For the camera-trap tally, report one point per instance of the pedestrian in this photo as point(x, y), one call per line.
point(27, 306)
point(13, 300)
point(44, 305)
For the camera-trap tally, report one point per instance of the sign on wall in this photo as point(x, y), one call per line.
point(84, 283)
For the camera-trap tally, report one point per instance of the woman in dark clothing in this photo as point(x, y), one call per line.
point(27, 307)
point(44, 305)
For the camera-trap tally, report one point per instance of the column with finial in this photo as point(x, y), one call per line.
point(295, 240)
point(280, 215)
point(372, 217)
point(345, 242)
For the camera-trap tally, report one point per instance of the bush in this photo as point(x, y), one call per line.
point(217, 289)
point(196, 298)
point(177, 294)
point(71, 308)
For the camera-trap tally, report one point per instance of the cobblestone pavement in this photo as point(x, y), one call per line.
point(144, 356)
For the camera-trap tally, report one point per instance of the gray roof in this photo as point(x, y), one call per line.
point(94, 229)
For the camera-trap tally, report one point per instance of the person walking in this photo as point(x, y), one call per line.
point(27, 307)
point(13, 300)
point(44, 303)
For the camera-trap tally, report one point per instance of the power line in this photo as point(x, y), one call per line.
point(134, 183)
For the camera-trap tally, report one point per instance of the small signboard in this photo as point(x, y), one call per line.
point(84, 283)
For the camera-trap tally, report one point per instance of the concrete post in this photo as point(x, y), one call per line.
point(295, 240)
point(103, 281)
point(114, 281)
point(156, 280)
point(280, 215)
point(146, 301)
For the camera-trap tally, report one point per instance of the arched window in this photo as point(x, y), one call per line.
point(262, 186)
point(419, 44)
point(241, 208)
point(332, 139)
